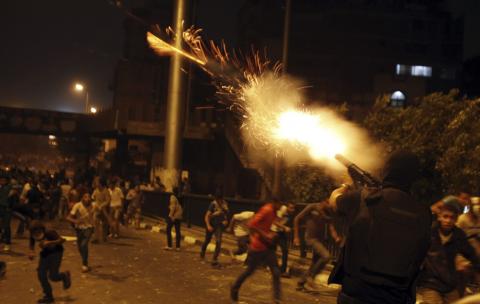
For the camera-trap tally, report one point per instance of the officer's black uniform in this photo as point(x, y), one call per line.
point(388, 238)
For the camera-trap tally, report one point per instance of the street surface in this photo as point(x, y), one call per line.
point(136, 269)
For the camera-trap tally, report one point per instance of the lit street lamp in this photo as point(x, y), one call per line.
point(80, 88)
point(93, 110)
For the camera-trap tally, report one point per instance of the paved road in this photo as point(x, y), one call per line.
point(136, 269)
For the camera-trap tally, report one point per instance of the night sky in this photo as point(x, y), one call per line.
point(49, 45)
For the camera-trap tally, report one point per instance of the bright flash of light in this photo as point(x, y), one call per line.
point(93, 110)
point(308, 130)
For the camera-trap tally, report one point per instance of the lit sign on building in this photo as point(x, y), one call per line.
point(413, 70)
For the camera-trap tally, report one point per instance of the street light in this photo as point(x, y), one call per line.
point(80, 88)
point(93, 110)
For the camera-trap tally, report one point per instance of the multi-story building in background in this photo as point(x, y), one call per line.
point(355, 50)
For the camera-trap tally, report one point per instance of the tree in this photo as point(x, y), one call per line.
point(307, 184)
point(441, 129)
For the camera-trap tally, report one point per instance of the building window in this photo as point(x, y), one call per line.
point(413, 70)
point(398, 99)
point(421, 70)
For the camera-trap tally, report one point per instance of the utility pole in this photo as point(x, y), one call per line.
point(175, 104)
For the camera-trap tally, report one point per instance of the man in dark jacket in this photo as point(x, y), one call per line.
point(50, 260)
point(438, 280)
point(387, 239)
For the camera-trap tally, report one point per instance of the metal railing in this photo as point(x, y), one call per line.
point(194, 208)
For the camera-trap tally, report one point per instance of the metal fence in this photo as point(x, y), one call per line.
point(194, 208)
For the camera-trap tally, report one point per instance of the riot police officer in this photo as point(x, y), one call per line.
point(387, 238)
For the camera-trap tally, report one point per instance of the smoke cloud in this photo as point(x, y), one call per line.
point(277, 122)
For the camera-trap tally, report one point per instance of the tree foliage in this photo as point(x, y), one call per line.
point(443, 130)
point(307, 183)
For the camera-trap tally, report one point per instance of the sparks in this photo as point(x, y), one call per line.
point(268, 103)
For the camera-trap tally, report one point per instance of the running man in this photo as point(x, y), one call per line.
point(216, 220)
point(317, 221)
point(51, 256)
point(262, 249)
point(83, 217)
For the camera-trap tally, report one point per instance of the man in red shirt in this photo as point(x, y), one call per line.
point(262, 249)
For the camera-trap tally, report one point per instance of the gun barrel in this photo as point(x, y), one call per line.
point(343, 160)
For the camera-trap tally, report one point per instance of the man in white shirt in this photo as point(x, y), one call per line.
point(82, 216)
point(175, 213)
point(116, 205)
point(239, 225)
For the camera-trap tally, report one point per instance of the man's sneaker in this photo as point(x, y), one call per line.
point(67, 282)
point(6, 248)
point(177, 249)
point(167, 248)
point(216, 264)
point(285, 275)
point(85, 269)
point(46, 300)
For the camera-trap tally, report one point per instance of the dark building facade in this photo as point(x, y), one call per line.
point(355, 50)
